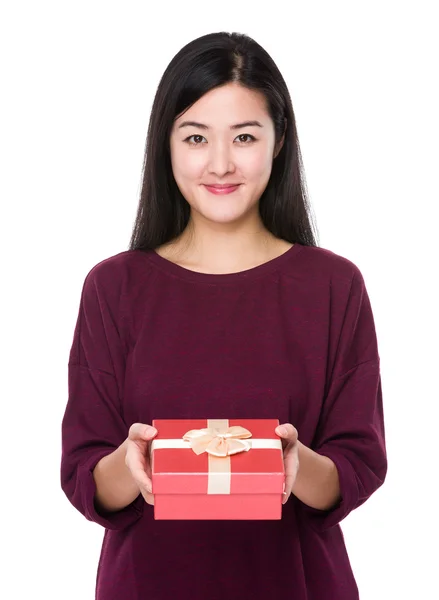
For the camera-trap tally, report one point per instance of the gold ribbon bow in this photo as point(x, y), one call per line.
point(219, 441)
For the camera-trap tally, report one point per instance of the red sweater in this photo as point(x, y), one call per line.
point(292, 339)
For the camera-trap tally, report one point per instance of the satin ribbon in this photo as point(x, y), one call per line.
point(216, 439)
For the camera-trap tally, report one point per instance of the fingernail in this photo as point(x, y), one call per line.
point(282, 430)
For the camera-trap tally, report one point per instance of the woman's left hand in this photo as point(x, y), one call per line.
point(289, 436)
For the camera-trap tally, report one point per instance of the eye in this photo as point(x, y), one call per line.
point(193, 143)
point(253, 139)
point(242, 135)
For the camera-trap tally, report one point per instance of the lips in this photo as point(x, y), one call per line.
point(221, 190)
point(222, 186)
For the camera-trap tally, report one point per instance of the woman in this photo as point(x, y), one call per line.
point(224, 307)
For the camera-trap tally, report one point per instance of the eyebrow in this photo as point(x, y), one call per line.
point(237, 126)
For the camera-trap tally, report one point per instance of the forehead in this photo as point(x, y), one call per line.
point(226, 105)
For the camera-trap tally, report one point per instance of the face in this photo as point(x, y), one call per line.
point(217, 152)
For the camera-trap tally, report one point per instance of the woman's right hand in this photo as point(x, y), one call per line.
point(137, 457)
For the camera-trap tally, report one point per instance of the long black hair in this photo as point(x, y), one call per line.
point(205, 63)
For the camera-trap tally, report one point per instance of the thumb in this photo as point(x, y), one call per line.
point(141, 431)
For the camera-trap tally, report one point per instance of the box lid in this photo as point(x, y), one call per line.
point(177, 469)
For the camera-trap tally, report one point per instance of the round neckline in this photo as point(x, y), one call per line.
point(265, 268)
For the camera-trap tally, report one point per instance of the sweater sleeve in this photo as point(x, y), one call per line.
point(93, 425)
point(351, 425)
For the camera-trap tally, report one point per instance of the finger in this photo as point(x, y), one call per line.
point(140, 431)
point(149, 498)
point(282, 431)
point(140, 461)
point(147, 456)
point(289, 482)
point(291, 469)
point(287, 431)
point(136, 462)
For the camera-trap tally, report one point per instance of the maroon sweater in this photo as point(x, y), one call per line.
point(292, 339)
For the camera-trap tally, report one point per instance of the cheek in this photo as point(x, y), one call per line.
point(256, 165)
point(188, 168)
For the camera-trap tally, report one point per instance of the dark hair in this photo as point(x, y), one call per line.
point(205, 63)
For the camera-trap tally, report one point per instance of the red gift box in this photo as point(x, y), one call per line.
point(217, 469)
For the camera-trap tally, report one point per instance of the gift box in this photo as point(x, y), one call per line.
point(217, 469)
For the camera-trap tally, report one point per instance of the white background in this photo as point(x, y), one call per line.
point(78, 80)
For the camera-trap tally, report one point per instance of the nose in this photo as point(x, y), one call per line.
point(220, 160)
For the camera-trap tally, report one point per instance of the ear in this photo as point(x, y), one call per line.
point(279, 145)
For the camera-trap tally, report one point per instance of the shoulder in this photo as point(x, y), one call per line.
point(120, 264)
point(119, 272)
point(327, 265)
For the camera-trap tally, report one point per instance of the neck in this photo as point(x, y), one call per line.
point(215, 249)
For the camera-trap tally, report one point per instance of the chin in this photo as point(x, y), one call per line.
point(224, 216)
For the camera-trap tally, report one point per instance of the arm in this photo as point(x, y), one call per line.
point(93, 428)
point(115, 486)
point(350, 432)
point(317, 484)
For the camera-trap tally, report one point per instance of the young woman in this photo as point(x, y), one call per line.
point(224, 307)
